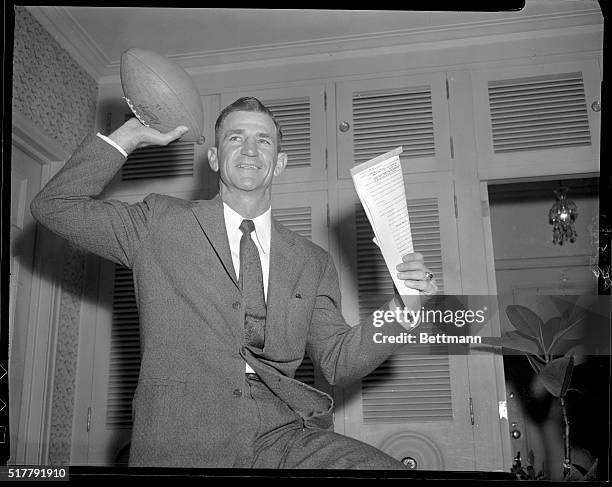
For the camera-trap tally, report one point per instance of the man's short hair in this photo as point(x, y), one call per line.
point(247, 104)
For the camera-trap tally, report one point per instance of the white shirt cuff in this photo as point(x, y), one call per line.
point(113, 143)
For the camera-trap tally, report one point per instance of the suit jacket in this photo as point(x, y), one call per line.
point(187, 406)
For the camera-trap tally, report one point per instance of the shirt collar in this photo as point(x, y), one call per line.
point(263, 225)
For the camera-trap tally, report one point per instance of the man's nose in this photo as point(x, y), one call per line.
point(249, 147)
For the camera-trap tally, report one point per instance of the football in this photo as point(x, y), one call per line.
point(161, 94)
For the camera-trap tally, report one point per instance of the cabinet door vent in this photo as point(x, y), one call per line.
point(542, 112)
point(175, 159)
point(293, 115)
point(125, 352)
point(297, 219)
point(425, 226)
point(385, 119)
point(414, 384)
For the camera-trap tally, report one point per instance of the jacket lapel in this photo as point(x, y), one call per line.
point(209, 214)
point(284, 270)
point(285, 266)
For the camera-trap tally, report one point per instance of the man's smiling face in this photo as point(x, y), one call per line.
point(247, 157)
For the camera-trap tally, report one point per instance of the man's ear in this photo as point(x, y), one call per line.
point(212, 159)
point(281, 163)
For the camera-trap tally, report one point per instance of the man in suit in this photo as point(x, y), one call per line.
point(229, 302)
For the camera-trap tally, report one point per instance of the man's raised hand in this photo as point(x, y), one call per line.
point(133, 135)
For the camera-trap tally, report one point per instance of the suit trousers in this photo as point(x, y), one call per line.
point(273, 436)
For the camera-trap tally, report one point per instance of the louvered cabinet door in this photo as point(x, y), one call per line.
point(416, 404)
point(377, 115)
point(306, 214)
point(540, 120)
point(115, 369)
point(180, 167)
point(300, 111)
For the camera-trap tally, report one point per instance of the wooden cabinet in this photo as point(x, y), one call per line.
point(416, 404)
point(538, 119)
point(378, 114)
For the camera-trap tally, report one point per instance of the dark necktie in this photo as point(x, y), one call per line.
point(251, 283)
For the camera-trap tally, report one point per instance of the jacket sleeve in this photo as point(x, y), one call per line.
point(67, 205)
point(344, 353)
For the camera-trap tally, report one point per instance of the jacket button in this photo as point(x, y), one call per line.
point(236, 305)
point(237, 392)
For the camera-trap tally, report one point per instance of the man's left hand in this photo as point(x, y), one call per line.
point(415, 275)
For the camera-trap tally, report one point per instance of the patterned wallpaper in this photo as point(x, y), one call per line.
point(55, 93)
point(62, 408)
point(49, 87)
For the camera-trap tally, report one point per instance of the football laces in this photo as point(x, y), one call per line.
point(133, 108)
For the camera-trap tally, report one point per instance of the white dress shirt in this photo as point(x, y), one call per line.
point(263, 226)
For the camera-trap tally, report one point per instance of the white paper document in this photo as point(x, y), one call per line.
point(380, 185)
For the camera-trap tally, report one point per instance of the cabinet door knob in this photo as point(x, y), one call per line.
point(596, 106)
point(344, 126)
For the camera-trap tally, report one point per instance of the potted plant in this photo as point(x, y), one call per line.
point(553, 350)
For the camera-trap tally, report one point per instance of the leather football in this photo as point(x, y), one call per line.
point(161, 94)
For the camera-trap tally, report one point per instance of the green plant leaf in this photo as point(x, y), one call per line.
point(565, 316)
point(577, 326)
point(565, 303)
point(579, 352)
point(561, 347)
point(570, 306)
point(516, 341)
point(535, 365)
point(551, 328)
point(528, 337)
point(575, 330)
point(579, 308)
point(525, 320)
point(557, 375)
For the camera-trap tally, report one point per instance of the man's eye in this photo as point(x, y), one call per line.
point(234, 138)
point(265, 141)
